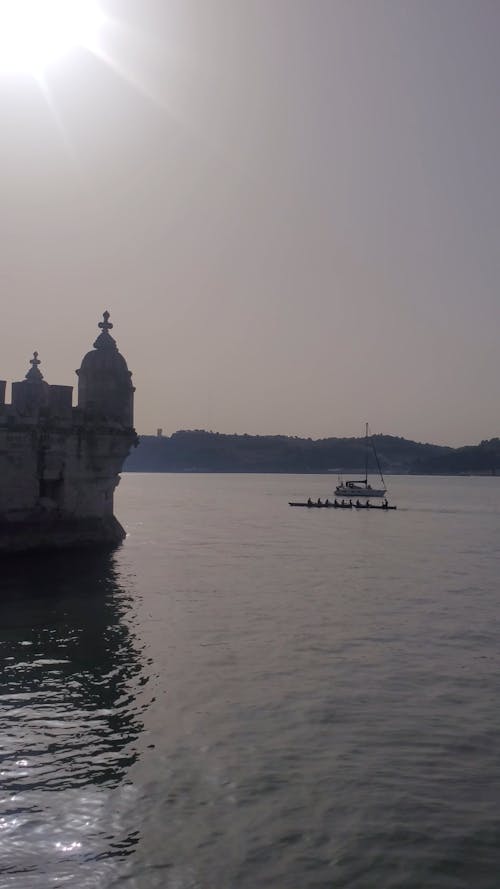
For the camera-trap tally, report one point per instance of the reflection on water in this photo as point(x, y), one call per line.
point(70, 719)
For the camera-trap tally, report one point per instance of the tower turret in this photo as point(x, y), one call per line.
point(105, 390)
point(31, 394)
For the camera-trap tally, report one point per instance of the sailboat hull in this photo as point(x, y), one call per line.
point(353, 490)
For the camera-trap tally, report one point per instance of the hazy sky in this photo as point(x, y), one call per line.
point(291, 209)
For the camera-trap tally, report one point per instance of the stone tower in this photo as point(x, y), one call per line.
point(59, 464)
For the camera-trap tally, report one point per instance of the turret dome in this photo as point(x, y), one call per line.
point(105, 390)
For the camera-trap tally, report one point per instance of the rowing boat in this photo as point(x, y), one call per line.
point(315, 505)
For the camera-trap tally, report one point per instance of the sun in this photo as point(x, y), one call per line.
point(36, 33)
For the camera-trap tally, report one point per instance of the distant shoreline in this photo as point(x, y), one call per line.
point(290, 472)
point(199, 451)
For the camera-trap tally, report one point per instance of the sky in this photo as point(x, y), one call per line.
point(291, 209)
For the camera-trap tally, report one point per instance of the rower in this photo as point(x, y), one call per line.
point(309, 501)
point(327, 502)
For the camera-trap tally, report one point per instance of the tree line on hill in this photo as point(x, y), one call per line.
point(201, 451)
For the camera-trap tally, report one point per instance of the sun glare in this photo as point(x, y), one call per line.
point(36, 33)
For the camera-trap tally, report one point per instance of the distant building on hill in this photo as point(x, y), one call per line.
point(60, 464)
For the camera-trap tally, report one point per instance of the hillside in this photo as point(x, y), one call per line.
point(481, 459)
point(201, 451)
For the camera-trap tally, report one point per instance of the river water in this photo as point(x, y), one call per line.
point(246, 695)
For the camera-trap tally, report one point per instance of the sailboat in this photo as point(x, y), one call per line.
point(360, 487)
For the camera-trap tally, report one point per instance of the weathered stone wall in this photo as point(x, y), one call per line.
point(59, 472)
point(18, 471)
point(94, 458)
point(85, 461)
point(51, 532)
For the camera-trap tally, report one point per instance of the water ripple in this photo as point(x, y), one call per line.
point(245, 696)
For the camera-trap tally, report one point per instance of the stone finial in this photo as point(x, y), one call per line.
point(34, 375)
point(104, 340)
point(105, 325)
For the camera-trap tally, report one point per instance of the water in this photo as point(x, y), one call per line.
point(247, 695)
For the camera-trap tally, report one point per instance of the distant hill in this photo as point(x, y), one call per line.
point(481, 459)
point(200, 451)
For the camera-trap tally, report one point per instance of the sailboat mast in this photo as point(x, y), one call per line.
point(366, 455)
